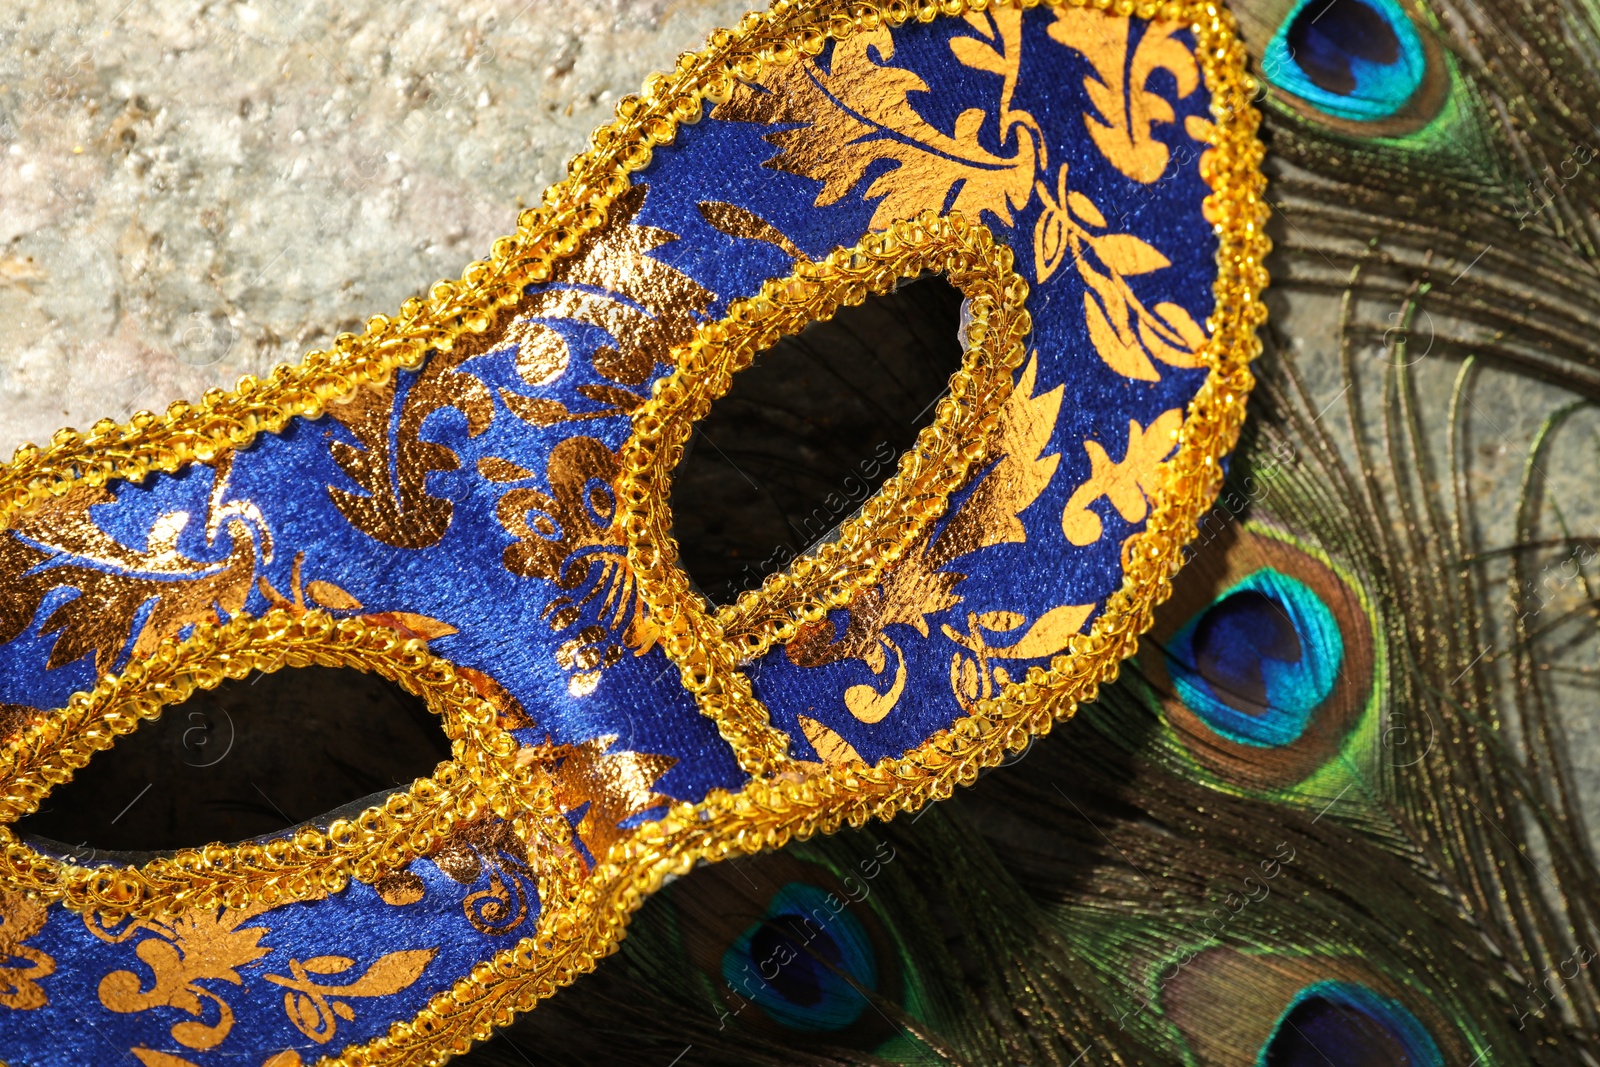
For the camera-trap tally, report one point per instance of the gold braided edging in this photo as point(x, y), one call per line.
point(310, 862)
point(938, 464)
point(577, 930)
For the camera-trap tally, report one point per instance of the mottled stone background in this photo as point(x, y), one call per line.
point(194, 191)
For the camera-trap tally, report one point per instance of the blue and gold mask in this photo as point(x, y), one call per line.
point(472, 500)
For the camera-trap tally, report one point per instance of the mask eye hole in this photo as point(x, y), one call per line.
point(253, 757)
point(809, 432)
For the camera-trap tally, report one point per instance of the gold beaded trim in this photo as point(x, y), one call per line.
point(577, 930)
point(897, 514)
point(306, 863)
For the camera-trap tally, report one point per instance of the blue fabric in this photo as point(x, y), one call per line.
point(513, 625)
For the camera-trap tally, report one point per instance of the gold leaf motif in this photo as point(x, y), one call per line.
point(1126, 108)
point(58, 545)
point(736, 221)
point(328, 595)
point(197, 946)
point(21, 966)
point(974, 677)
point(390, 462)
point(399, 888)
point(1126, 483)
point(565, 536)
point(1125, 333)
point(333, 598)
point(918, 586)
point(829, 745)
point(315, 1008)
point(858, 112)
point(614, 283)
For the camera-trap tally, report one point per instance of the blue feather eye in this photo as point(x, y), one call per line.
point(1257, 663)
point(805, 962)
point(1358, 60)
point(1348, 1024)
point(1264, 659)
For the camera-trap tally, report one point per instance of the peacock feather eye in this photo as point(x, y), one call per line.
point(1356, 59)
point(1258, 662)
point(1363, 68)
point(1347, 1023)
point(807, 962)
point(1264, 660)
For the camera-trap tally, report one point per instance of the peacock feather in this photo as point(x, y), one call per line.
point(1338, 809)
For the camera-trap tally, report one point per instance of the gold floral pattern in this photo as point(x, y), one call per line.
point(858, 112)
point(205, 945)
point(1128, 483)
point(567, 537)
point(1119, 90)
point(391, 461)
point(315, 1007)
point(919, 585)
point(331, 597)
point(59, 545)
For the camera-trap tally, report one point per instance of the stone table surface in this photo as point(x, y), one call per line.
point(194, 191)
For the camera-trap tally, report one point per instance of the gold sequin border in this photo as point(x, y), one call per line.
point(482, 778)
point(997, 324)
point(576, 931)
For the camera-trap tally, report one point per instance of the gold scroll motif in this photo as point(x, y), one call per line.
point(21, 965)
point(859, 112)
point(58, 545)
point(565, 536)
point(614, 283)
point(1127, 483)
point(198, 946)
point(919, 585)
point(1126, 108)
point(316, 1007)
point(489, 845)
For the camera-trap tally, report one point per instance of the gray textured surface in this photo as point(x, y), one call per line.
point(193, 191)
